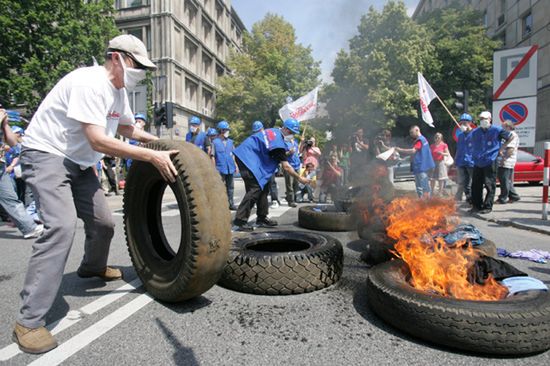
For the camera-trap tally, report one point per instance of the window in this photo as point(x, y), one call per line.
point(207, 30)
point(527, 25)
point(190, 53)
point(207, 97)
point(219, 12)
point(191, 13)
point(206, 66)
point(191, 93)
point(485, 20)
point(122, 4)
point(219, 44)
point(219, 72)
point(136, 32)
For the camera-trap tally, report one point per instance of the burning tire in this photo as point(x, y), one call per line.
point(512, 326)
point(329, 219)
point(195, 266)
point(282, 263)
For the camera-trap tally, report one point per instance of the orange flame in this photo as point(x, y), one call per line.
point(436, 267)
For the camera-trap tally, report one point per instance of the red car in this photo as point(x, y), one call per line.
point(529, 168)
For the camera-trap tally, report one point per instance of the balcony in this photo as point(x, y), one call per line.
point(135, 12)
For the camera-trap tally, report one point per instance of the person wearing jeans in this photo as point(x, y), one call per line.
point(8, 196)
point(222, 155)
point(421, 163)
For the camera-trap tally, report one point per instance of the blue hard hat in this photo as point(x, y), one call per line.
point(211, 132)
point(18, 130)
point(466, 117)
point(140, 116)
point(292, 124)
point(223, 125)
point(194, 120)
point(257, 126)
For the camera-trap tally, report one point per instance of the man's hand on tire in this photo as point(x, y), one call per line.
point(163, 162)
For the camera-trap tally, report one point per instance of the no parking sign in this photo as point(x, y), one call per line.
point(522, 112)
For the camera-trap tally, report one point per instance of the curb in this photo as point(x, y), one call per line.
point(512, 224)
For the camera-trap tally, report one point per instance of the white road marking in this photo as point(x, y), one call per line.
point(90, 334)
point(59, 325)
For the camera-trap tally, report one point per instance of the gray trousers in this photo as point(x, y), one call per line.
point(63, 192)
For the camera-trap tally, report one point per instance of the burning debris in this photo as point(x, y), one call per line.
point(398, 224)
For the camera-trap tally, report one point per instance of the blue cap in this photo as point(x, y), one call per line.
point(223, 125)
point(211, 132)
point(18, 130)
point(140, 116)
point(466, 117)
point(293, 125)
point(194, 120)
point(257, 126)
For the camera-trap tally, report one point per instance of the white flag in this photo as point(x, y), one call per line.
point(427, 94)
point(301, 109)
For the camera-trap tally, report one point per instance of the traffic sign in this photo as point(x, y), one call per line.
point(522, 112)
point(514, 111)
point(515, 73)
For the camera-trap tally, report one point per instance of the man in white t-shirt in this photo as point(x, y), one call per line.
point(507, 157)
point(69, 133)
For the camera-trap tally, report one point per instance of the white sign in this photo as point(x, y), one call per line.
point(515, 73)
point(523, 113)
point(301, 109)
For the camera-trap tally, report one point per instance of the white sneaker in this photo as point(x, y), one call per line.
point(274, 204)
point(35, 233)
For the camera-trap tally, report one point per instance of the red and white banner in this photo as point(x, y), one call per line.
point(427, 94)
point(301, 109)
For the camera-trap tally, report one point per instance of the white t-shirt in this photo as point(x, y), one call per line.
point(83, 96)
point(510, 162)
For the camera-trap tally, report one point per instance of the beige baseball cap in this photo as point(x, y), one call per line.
point(134, 47)
point(485, 115)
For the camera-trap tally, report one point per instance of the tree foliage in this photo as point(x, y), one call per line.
point(375, 83)
point(271, 67)
point(43, 40)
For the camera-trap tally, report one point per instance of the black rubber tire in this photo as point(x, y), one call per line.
point(513, 326)
point(266, 263)
point(329, 220)
point(205, 224)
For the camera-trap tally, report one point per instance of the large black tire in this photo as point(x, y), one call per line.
point(283, 263)
point(512, 326)
point(330, 219)
point(205, 225)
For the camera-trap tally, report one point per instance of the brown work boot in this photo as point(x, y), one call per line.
point(109, 274)
point(33, 340)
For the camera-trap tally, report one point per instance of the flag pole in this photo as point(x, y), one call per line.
point(304, 131)
point(450, 114)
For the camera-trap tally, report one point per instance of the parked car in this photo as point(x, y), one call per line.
point(402, 170)
point(529, 168)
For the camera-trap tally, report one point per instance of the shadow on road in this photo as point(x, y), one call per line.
point(182, 355)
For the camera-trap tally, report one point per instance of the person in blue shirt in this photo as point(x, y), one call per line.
point(141, 121)
point(291, 183)
point(421, 163)
point(463, 159)
point(258, 126)
point(258, 158)
point(196, 136)
point(222, 155)
point(486, 143)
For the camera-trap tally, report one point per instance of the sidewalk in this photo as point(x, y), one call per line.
point(525, 214)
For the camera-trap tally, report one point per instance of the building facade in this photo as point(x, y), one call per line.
point(517, 23)
point(190, 42)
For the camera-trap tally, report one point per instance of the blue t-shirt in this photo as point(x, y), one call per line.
point(256, 153)
point(486, 144)
point(200, 140)
point(293, 158)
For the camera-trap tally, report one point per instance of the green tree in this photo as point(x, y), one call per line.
point(465, 58)
point(376, 81)
point(43, 40)
point(271, 67)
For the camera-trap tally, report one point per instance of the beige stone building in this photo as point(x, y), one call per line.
point(518, 23)
point(190, 42)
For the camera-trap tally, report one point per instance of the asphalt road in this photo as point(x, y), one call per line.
point(122, 326)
